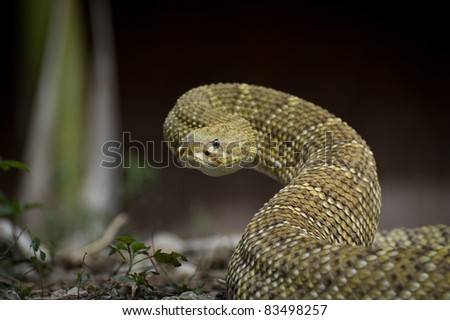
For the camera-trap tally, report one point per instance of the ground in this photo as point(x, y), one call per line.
point(105, 276)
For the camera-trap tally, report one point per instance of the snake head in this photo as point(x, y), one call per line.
point(219, 149)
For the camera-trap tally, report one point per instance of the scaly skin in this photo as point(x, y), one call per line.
point(315, 238)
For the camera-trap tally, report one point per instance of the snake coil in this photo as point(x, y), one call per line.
point(316, 238)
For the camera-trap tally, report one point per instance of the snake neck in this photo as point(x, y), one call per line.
point(298, 143)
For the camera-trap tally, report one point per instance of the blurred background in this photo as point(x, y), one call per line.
point(80, 73)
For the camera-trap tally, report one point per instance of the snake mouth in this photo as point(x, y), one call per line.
point(209, 165)
point(196, 160)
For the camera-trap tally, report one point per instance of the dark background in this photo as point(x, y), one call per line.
point(385, 70)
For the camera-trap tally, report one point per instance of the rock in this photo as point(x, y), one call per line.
point(190, 295)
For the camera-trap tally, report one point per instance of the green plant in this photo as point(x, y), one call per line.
point(11, 209)
point(37, 263)
point(82, 278)
point(130, 251)
point(22, 292)
point(7, 164)
point(133, 252)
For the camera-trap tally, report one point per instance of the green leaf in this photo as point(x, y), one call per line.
point(116, 248)
point(140, 279)
point(10, 207)
point(198, 290)
point(6, 210)
point(33, 205)
point(113, 250)
point(180, 289)
point(139, 247)
point(13, 208)
point(169, 258)
point(82, 279)
point(125, 239)
point(26, 292)
point(35, 244)
point(42, 255)
point(7, 164)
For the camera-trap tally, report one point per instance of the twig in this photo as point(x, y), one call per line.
point(80, 276)
point(15, 239)
point(98, 245)
point(36, 261)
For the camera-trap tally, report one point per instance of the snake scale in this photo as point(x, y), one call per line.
point(316, 238)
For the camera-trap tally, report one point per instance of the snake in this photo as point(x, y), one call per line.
point(317, 238)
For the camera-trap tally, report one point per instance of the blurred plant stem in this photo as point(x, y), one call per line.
point(101, 189)
point(70, 118)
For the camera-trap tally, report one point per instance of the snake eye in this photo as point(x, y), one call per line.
point(216, 144)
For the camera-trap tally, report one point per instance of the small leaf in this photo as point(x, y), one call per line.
point(6, 164)
point(26, 292)
point(10, 207)
point(139, 247)
point(180, 289)
point(35, 244)
point(6, 210)
point(125, 239)
point(42, 255)
point(14, 207)
point(113, 250)
point(34, 205)
point(116, 248)
point(198, 290)
point(169, 258)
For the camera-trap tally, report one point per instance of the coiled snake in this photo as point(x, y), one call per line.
point(316, 238)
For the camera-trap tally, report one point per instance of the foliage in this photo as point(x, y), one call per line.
point(5, 165)
point(169, 258)
point(128, 248)
point(133, 252)
point(82, 278)
point(38, 263)
point(13, 208)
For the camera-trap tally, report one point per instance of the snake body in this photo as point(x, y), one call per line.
point(316, 238)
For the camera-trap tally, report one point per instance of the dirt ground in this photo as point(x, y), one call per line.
point(104, 276)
